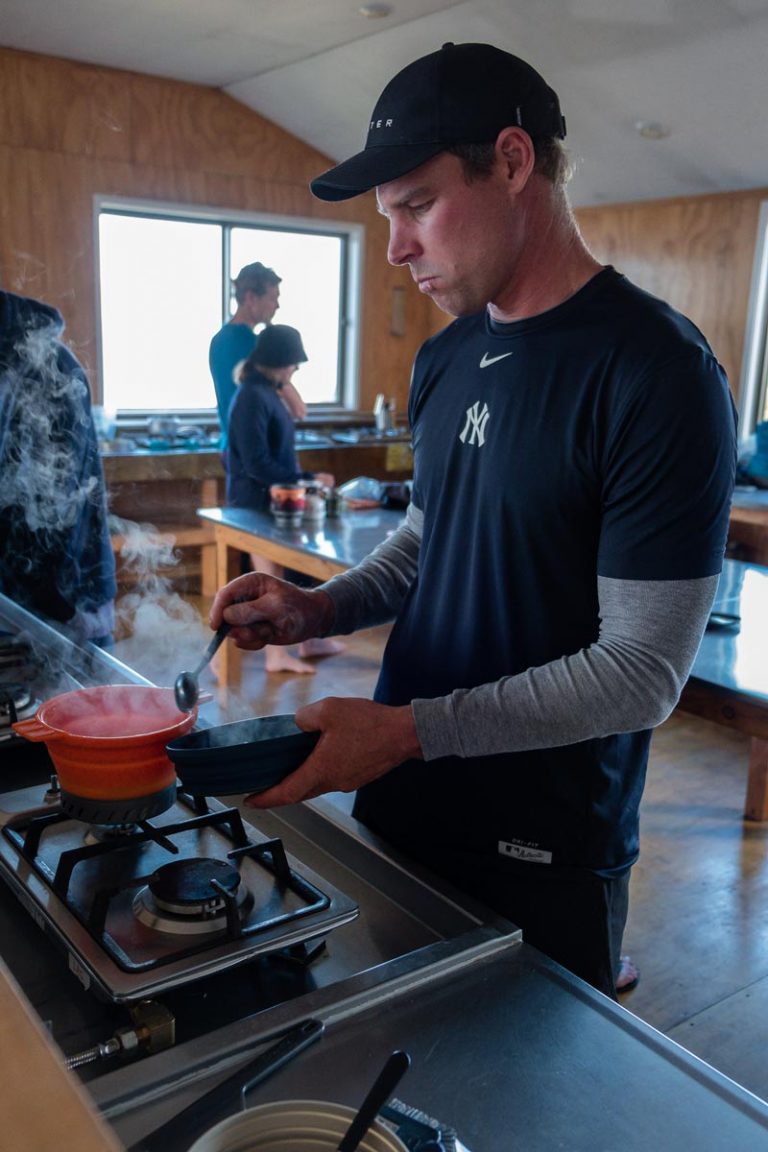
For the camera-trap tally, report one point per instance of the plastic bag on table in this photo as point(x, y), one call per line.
point(362, 492)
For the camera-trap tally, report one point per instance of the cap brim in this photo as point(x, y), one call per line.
point(371, 167)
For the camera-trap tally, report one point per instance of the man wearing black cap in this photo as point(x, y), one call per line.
point(574, 455)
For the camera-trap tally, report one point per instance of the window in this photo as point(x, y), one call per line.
point(754, 375)
point(165, 288)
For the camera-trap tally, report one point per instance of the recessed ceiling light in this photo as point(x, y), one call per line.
point(375, 11)
point(651, 129)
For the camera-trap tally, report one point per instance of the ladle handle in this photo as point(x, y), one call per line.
point(218, 638)
point(384, 1085)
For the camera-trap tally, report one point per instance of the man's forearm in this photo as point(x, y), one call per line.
point(373, 591)
point(628, 680)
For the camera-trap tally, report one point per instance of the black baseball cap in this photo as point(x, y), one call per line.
point(462, 94)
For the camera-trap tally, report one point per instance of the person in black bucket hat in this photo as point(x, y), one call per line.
point(261, 452)
point(280, 346)
point(574, 454)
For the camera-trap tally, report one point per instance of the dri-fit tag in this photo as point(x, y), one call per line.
point(519, 850)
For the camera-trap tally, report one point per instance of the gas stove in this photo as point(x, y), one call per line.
point(157, 950)
point(17, 670)
point(16, 703)
point(138, 908)
point(142, 908)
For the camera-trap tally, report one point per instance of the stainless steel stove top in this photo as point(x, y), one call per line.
point(146, 908)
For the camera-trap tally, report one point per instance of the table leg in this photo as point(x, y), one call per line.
point(756, 805)
point(208, 570)
point(229, 662)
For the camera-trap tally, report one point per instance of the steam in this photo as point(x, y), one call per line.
point(48, 481)
point(160, 634)
point(52, 504)
point(41, 469)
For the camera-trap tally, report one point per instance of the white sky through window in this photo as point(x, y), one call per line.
point(161, 300)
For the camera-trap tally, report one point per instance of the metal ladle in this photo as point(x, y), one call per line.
point(384, 1086)
point(186, 689)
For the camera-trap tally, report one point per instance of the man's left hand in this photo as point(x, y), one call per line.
point(359, 741)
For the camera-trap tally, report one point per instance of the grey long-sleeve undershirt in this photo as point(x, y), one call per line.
point(628, 680)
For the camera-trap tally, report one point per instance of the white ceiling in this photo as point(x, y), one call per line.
point(316, 67)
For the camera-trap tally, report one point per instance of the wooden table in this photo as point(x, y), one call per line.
point(748, 528)
point(729, 679)
point(165, 488)
point(321, 551)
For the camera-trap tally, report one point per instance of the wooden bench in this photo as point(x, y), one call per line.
point(163, 490)
point(199, 538)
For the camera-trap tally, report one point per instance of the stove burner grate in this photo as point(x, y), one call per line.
point(16, 703)
point(191, 886)
point(189, 896)
point(98, 884)
point(132, 811)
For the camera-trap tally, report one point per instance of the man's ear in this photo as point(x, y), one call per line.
point(516, 154)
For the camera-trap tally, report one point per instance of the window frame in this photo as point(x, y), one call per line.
point(350, 305)
point(753, 386)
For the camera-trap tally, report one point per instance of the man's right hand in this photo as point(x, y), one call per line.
point(264, 610)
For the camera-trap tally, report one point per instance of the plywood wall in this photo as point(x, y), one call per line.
point(71, 131)
point(696, 252)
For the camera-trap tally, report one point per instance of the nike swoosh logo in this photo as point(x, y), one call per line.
point(488, 360)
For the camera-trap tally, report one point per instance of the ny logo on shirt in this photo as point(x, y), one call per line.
point(475, 425)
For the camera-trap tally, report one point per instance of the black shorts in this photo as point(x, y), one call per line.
point(573, 915)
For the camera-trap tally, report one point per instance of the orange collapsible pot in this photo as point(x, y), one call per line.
point(107, 745)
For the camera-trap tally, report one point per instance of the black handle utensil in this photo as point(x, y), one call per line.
point(180, 1131)
point(384, 1086)
point(186, 689)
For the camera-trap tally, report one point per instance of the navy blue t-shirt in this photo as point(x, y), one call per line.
point(594, 439)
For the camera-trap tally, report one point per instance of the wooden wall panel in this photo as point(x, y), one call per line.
point(188, 126)
point(70, 131)
point(63, 107)
point(696, 252)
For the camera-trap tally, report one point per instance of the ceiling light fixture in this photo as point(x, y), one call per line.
point(375, 11)
point(651, 129)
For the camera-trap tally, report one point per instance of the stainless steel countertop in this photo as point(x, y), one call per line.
point(507, 1048)
point(346, 539)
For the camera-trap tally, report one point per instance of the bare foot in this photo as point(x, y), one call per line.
point(320, 647)
point(277, 659)
point(628, 976)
